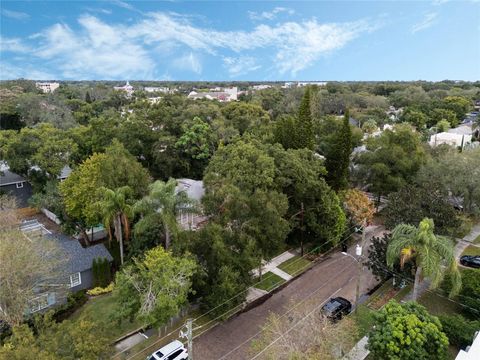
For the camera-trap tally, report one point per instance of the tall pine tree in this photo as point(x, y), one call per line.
point(304, 132)
point(338, 157)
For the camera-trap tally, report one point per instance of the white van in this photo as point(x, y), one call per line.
point(173, 351)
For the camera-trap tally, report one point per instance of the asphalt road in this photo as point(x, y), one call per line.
point(336, 276)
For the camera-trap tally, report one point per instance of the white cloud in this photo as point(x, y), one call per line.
point(295, 45)
point(123, 4)
point(270, 15)
point(25, 71)
point(17, 15)
point(99, 10)
point(240, 66)
point(189, 62)
point(13, 45)
point(427, 21)
point(99, 50)
point(115, 51)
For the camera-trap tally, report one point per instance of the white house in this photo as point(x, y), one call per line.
point(452, 139)
point(160, 89)
point(220, 94)
point(472, 352)
point(47, 87)
point(126, 88)
point(261, 87)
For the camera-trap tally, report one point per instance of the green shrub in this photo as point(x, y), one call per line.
point(100, 290)
point(459, 330)
point(74, 301)
point(469, 293)
point(101, 271)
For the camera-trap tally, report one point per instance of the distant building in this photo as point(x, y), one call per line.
point(47, 87)
point(152, 89)
point(261, 87)
point(306, 83)
point(127, 88)
point(154, 100)
point(220, 94)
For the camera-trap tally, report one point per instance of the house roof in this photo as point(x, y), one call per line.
point(80, 258)
point(7, 177)
point(66, 171)
point(461, 130)
point(193, 188)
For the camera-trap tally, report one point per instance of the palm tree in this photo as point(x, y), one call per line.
point(165, 201)
point(428, 251)
point(116, 211)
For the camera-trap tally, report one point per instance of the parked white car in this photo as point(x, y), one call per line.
point(173, 351)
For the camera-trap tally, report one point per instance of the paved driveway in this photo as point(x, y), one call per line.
point(231, 340)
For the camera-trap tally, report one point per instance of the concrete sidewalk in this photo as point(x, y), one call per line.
point(359, 351)
point(272, 265)
point(462, 244)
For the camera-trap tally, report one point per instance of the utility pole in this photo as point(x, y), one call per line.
point(190, 339)
point(302, 211)
point(189, 335)
point(358, 252)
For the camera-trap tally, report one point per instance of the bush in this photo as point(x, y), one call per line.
point(459, 330)
point(100, 290)
point(102, 275)
point(469, 293)
point(5, 331)
point(74, 302)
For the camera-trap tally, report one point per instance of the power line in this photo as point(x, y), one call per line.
point(290, 329)
point(196, 319)
point(269, 276)
point(288, 311)
point(427, 290)
point(387, 270)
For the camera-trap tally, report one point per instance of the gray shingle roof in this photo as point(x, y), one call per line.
point(80, 258)
point(8, 177)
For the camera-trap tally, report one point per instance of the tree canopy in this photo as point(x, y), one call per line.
point(113, 169)
point(154, 287)
point(406, 332)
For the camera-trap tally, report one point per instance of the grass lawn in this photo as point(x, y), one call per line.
point(364, 319)
point(471, 250)
point(269, 281)
point(477, 240)
point(438, 305)
point(99, 310)
point(295, 265)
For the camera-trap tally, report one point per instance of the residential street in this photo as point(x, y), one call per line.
point(335, 276)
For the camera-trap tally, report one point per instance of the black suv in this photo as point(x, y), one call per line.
point(471, 261)
point(335, 308)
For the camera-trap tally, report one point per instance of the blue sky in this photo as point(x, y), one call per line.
point(240, 40)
